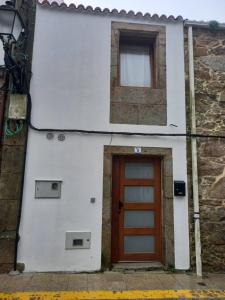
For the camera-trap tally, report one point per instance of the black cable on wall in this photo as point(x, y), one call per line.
point(124, 133)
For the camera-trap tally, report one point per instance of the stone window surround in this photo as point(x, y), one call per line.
point(167, 200)
point(139, 105)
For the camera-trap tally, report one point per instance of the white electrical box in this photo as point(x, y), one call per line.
point(78, 240)
point(17, 107)
point(48, 189)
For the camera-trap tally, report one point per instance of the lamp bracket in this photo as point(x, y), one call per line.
point(11, 3)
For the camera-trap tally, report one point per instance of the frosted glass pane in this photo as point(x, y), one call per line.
point(135, 69)
point(139, 244)
point(139, 170)
point(139, 218)
point(139, 194)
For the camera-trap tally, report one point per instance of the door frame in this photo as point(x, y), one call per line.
point(167, 199)
point(118, 165)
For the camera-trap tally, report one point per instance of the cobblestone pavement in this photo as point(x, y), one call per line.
point(111, 285)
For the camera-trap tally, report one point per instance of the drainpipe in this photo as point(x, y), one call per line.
point(194, 156)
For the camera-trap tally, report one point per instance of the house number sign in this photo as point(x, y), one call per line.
point(137, 150)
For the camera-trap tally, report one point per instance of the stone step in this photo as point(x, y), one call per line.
point(137, 266)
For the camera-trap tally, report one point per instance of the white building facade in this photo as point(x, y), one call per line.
point(89, 196)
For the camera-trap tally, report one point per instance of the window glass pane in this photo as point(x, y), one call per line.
point(17, 28)
point(139, 244)
point(139, 194)
point(139, 170)
point(6, 18)
point(2, 62)
point(135, 68)
point(139, 218)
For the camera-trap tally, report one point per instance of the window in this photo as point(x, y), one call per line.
point(136, 61)
point(138, 74)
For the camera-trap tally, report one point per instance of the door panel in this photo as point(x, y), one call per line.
point(136, 208)
point(139, 218)
point(139, 170)
point(139, 194)
point(139, 243)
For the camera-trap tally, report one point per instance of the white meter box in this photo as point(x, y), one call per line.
point(78, 240)
point(48, 189)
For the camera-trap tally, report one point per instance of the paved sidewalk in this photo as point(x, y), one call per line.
point(112, 285)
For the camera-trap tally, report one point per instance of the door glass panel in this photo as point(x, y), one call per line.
point(139, 170)
point(139, 194)
point(139, 218)
point(139, 244)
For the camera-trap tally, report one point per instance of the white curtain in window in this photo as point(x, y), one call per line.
point(135, 68)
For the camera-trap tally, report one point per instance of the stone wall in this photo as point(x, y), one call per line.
point(12, 159)
point(209, 64)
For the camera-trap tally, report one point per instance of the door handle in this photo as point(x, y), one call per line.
point(120, 205)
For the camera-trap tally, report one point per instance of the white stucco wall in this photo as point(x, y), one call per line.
point(70, 88)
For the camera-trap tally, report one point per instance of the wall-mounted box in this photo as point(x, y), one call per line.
point(179, 188)
point(48, 189)
point(17, 107)
point(78, 240)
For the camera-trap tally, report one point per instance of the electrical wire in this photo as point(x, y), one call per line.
point(9, 131)
point(125, 133)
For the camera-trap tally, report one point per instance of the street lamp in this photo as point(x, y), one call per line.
point(11, 28)
point(11, 23)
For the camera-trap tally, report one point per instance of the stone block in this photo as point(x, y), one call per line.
point(168, 186)
point(215, 149)
point(77, 282)
point(168, 166)
point(114, 80)
point(222, 96)
point(218, 237)
point(218, 189)
point(10, 186)
point(161, 84)
point(124, 113)
point(106, 235)
point(139, 27)
point(12, 159)
point(200, 51)
point(5, 268)
point(218, 51)
point(8, 214)
point(106, 214)
point(207, 167)
point(107, 187)
point(7, 251)
point(221, 216)
point(152, 115)
point(115, 38)
point(107, 166)
point(203, 74)
point(167, 211)
point(18, 140)
point(216, 63)
point(114, 56)
point(137, 95)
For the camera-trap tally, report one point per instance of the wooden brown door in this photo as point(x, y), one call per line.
point(136, 209)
